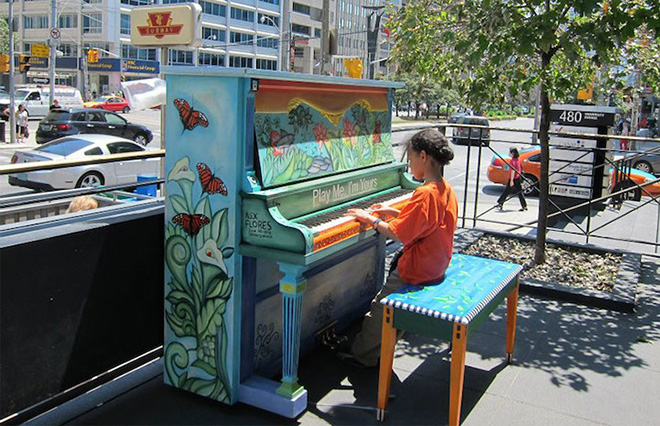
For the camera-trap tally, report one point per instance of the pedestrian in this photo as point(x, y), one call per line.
point(625, 131)
point(514, 182)
point(426, 228)
point(21, 123)
point(55, 105)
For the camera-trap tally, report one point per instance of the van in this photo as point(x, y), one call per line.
point(465, 135)
point(36, 98)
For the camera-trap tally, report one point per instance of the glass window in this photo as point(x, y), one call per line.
point(64, 146)
point(211, 59)
point(181, 57)
point(115, 119)
point(212, 34)
point(240, 62)
point(125, 24)
point(95, 116)
point(213, 8)
point(317, 32)
point(131, 52)
point(301, 8)
point(268, 42)
point(240, 38)
point(68, 21)
point(120, 147)
point(301, 29)
point(94, 151)
point(242, 14)
point(270, 20)
point(137, 2)
point(38, 21)
point(92, 23)
point(271, 1)
point(68, 49)
point(266, 64)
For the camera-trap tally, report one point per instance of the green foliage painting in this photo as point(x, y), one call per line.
point(198, 288)
point(303, 143)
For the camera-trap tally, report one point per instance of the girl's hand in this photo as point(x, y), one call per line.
point(361, 215)
point(384, 210)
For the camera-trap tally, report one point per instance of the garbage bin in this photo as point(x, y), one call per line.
point(2, 131)
point(149, 190)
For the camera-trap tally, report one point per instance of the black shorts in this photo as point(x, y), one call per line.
point(20, 130)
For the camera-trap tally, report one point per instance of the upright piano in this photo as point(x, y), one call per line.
point(261, 168)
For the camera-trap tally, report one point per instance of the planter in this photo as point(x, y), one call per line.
point(621, 298)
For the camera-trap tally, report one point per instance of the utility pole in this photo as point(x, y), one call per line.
point(12, 105)
point(52, 60)
point(325, 35)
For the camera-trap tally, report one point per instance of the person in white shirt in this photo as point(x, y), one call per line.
point(21, 123)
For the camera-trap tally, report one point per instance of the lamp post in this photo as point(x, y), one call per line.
point(265, 18)
point(373, 28)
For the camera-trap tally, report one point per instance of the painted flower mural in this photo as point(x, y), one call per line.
point(198, 288)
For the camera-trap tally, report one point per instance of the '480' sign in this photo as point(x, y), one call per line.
point(579, 117)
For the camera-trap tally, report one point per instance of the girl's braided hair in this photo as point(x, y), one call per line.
point(434, 144)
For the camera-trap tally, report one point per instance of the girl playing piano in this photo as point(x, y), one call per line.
point(426, 228)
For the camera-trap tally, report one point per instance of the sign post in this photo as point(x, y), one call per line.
point(53, 42)
point(577, 164)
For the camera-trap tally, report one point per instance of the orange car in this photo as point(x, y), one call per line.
point(498, 170)
point(640, 178)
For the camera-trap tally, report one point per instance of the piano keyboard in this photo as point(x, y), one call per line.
point(332, 227)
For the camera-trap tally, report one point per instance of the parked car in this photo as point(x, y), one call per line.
point(640, 178)
point(36, 98)
point(66, 122)
point(79, 147)
point(647, 162)
point(454, 117)
point(464, 134)
point(109, 103)
point(530, 158)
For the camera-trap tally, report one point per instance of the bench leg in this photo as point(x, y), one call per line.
point(459, 346)
point(386, 360)
point(511, 314)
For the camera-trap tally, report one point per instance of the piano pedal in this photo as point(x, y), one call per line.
point(328, 337)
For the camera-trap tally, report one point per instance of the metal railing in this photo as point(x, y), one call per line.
point(621, 189)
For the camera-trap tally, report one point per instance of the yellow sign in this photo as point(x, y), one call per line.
point(354, 67)
point(39, 50)
point(172, 25)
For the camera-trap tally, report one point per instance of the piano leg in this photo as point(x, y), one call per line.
point(292, 287)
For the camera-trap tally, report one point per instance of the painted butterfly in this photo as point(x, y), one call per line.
point(191, 223)
point(210, 183)
point(190, 118)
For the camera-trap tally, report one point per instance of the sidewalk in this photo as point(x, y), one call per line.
point(29, 142)
point(573, 365)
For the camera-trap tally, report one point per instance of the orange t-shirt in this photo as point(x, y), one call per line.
point(426, 228)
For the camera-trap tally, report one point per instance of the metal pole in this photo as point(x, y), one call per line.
point(476, 192)
point(12, 105)
point(51, 44)
point(164, 60)
point(467, 176)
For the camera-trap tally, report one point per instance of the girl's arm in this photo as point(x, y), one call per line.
point(363, 217)
point(384, 210)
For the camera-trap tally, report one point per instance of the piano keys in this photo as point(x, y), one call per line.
point(254, 271)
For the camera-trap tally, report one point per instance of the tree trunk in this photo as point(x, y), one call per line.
point(544, 127)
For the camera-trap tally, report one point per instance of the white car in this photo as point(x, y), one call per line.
point(78, 147)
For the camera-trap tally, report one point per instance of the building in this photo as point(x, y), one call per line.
point(282, 35)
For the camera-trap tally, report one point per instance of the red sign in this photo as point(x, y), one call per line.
point(160, 25)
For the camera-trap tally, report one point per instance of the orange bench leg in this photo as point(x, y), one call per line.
point(511, 314)
point(459, 346)
point(386, 360)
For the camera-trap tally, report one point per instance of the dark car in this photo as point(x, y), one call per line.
point(66, 122)
point(464, 134)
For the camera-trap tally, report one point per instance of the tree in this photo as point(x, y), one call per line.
point(488, 49)
point(4, 36)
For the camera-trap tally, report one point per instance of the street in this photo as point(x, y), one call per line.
point(456, 172)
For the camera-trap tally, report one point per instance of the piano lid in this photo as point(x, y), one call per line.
point(306, 130)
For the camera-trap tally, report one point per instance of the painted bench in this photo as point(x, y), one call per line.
point(473, 287)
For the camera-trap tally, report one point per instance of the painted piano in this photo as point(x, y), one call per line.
point(260, 169)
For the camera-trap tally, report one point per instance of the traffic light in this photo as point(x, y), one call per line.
point(23, 63)
point(92, 56)
point(4, 63)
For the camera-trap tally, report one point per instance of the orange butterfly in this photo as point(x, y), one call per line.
point(190, 118)
point(191, 223)
point(210, 183)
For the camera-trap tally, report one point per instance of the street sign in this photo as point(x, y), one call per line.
point(55, 33)
point(40, 80)
point(39, 50)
